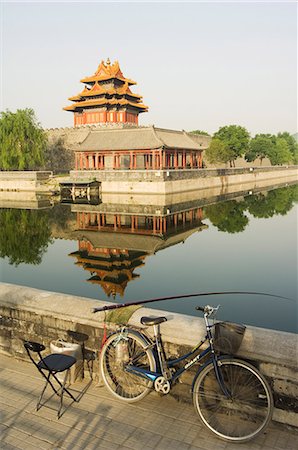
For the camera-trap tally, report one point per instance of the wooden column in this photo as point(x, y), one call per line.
point(201, 160)
point(163, 159)
point(154, 224)
point(165, 224)
point(175, 160)
point(175, 218)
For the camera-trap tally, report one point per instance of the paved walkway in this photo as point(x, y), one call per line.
point(100, 422)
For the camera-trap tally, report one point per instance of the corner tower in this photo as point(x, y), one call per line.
point(106, 98)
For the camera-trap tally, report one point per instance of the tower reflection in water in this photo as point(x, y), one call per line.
point(112, 245)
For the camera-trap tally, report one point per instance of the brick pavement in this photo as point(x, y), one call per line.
point(100, 422)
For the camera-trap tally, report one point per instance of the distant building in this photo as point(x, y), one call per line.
point(106, 98)
point(140, 148)
point(114, 139)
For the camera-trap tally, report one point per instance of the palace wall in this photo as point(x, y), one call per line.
point(15, 181)
point(43, 316)
point(174, 181)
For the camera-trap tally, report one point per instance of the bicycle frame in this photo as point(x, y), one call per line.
point(165, 365)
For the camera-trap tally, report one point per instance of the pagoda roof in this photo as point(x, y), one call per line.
point(107, 71)
point(141, 138)
point(147, 244)
point(98, 89)
point(105, 101)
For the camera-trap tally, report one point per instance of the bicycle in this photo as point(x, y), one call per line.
point(232, 398)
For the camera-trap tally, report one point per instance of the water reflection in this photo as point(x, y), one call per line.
point(115, 240)
point(231, 216)
point(228, 216)
point(112, 245)
point(25, 235)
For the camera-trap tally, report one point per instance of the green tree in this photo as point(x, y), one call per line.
point(227, 216)
point(236, 139)
point(292, 144)
point(217, 152)
point(204, 133)
point(25, 235)
point(280, 153)
point(57, 157)
point(22, 141)
point(260, 147)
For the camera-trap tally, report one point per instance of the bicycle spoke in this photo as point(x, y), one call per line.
point(240, 416)
point(117, 353)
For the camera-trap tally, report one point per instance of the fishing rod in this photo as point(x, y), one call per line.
point(173, 297)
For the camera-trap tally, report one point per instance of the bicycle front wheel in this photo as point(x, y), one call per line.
point(120, 350)
point(248, 410)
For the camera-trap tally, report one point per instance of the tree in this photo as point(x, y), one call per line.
point(292, 144)
point(57, 157)
point(236, 139)
point(280, 153)
point(217, 152)
point(204, 133)
point(260, 147)
point(22, 141)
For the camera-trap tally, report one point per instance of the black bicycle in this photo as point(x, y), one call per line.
point(232, 398)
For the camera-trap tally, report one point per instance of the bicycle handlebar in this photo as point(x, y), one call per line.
point(208, 310)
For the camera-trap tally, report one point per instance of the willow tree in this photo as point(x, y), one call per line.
point(23, 141)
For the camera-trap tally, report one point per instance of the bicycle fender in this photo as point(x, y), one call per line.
point(138, 333)
point(210, 361)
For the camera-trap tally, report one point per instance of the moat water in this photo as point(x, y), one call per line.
point(116, 253)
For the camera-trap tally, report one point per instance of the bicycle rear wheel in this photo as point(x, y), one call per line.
point(246, 413)
point(120, 350)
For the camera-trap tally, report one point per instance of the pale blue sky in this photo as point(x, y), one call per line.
point(197, 65)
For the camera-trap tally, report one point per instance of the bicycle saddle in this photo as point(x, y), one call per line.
point(152, 320)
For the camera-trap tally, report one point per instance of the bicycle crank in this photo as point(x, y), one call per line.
point(162, 385)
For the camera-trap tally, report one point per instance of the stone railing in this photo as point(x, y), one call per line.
point(28, 313)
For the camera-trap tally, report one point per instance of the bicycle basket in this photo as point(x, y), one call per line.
point(228, 336)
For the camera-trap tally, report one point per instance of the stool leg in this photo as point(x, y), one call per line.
point(62, 392)
point(38, 406)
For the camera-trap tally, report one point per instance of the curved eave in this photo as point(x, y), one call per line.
point(75, 98)
point(98, 93)
point(90, 103)
point(93, 79)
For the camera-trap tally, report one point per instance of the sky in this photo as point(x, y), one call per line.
point(197, 65)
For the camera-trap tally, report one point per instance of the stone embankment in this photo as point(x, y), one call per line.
point(174, 181)
point(16, 181)
point(28, 313)
point(161, 182)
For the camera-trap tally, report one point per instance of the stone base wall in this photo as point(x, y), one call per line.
point(174, 181)
point(24, 181)
point(43, 316)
